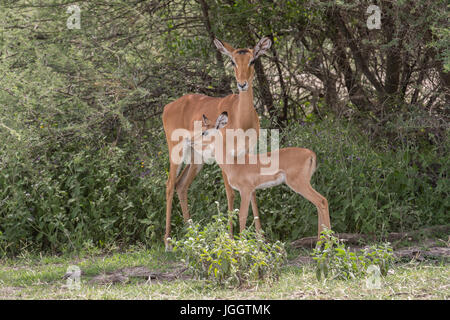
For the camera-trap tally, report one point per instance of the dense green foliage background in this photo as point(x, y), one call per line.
point(83, 158)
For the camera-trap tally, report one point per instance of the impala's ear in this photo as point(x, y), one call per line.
point(206, 121)
point(262, 46)
point(222, 120)
point(224, 47)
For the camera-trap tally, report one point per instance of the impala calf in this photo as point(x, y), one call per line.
point(295, 167)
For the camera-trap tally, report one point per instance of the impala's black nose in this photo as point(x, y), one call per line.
point(243, 86)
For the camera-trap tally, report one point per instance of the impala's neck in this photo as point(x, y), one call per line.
point(245, 100)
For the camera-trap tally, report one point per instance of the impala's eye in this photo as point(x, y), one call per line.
point(252, 62)
point(232, 63)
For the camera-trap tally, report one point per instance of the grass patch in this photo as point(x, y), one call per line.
point(40, 277)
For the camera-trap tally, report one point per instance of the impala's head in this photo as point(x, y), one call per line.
point(204, 144)
point(243, 60)
point(210, 127)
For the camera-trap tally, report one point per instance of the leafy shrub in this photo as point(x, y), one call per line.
point(336, 261)
point(212, 254)
point(57, 201)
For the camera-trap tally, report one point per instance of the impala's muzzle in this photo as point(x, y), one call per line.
point(243, 86)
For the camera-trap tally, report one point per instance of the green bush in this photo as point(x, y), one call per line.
point(60, 200)
point(336, 261)
point(212, 254)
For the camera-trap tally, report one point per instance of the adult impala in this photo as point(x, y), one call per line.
point(294, 167)
point(181, 114)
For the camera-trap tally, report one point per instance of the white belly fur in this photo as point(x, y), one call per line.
point(281, 179)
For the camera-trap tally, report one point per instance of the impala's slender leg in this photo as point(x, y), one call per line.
point(182, 185)
point(325, 214)
point(322, 208)
point(230, 198)
point(182, 192)
point(243, 211)
point(255, 212)
point(316, 198)
point(170, 186)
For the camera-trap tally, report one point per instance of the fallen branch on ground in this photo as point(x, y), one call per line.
point(356, 238)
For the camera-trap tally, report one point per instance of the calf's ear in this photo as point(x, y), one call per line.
point(206, 121)
point(222, 120)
